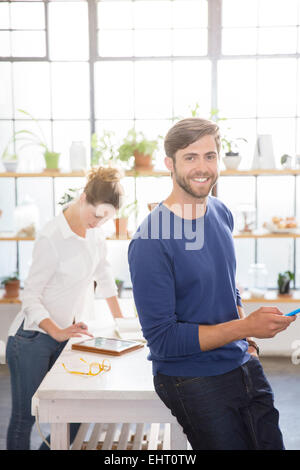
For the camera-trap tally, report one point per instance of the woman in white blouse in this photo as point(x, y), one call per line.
point(68, 256)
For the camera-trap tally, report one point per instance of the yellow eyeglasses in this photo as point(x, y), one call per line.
point(95, 368)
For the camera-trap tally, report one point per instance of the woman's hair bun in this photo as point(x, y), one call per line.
point(103, 185)
point(107, 175)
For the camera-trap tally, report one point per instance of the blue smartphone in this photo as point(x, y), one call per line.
point(294, 312)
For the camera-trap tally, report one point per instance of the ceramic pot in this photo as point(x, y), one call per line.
point(10, 166)
point(12, 289)
point(232, 162)
point(142, 162)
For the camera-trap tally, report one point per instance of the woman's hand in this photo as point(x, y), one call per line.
point(76, 330)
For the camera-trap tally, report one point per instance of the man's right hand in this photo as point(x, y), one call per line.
point(266, 322)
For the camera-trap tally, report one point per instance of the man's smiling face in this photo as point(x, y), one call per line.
point(196, 167)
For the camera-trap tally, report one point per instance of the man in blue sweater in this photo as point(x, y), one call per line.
point(182, 265)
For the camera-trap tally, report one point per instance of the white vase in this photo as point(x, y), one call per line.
point(232, 162)
point(77, 156)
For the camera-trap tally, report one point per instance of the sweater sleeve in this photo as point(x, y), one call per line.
point(153, 284)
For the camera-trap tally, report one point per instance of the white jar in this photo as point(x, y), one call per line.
point(77, 156)
point(258, 280)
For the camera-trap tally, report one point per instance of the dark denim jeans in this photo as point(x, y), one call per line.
point(232, 411)
point(30, 355)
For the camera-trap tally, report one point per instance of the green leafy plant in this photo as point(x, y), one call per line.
point(283, 281)
point(37, 139)
point(125, 211)
point(68, 196)
point(14, 277)
point(136, 142)
point(284, 158)
point(104, 149)
point(230, 146)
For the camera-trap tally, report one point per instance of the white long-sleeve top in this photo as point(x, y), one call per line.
point(60, 283)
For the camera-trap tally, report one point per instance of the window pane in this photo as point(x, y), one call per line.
point(115, 43)
point(28, 43)
point(27, 15)
point(6, 132)
point(5, 44)
point(192, 85)
point(5, 90)
point(70, 90)
point(4, 15)
point(189, 14)
point(283, 133)
point(32, 88)
point(152, 43)
point(239, 41)
point(31, 158)
point(189, 42)
point(116, 126)
point(64, 133)
point(68, 31)
point(107, 18)
point(237, 88)
point(149, 14)
point(237, 13)
point(153, 95)
point(298, 136)
point(114, 90)
point(277, 40)
point(276, 87)
point(278, 12)
point(275, 264)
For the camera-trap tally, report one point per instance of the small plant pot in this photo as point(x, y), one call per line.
point(12, 289)
point(10, 166)
point(121, 225)
point(142, 162)
point(232, 161)
point(51, 160)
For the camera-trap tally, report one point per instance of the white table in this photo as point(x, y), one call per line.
point(125, 394)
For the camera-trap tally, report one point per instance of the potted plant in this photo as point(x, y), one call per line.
point(38, 139)
point(136, 145)
point(10, 161)
point(232, 157)
point(119, 284)
point(11, 286)
point(286, 161)
point(104, 149)
point(283, 282)
point(121, 221)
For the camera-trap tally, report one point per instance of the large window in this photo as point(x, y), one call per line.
point(85, 66)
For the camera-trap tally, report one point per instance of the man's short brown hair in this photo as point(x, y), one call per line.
point(187, 131)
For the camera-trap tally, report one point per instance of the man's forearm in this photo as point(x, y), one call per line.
point(215, 336)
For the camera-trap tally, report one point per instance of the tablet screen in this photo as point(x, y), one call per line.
point(109, 344)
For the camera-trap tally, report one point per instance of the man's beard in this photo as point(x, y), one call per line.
point(184, 184)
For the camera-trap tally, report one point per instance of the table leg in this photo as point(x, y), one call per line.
point(177, 437)
point(60, 436)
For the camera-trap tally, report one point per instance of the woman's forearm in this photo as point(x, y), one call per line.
point(114, 306)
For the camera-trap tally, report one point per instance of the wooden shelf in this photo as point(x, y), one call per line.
point(271, 297)
point(266, 234)
point(259, 172)
point(44, 174)
point(10, 238)
point(153, 173)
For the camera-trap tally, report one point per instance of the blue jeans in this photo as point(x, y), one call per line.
point(232, 411)
point(30, 355)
